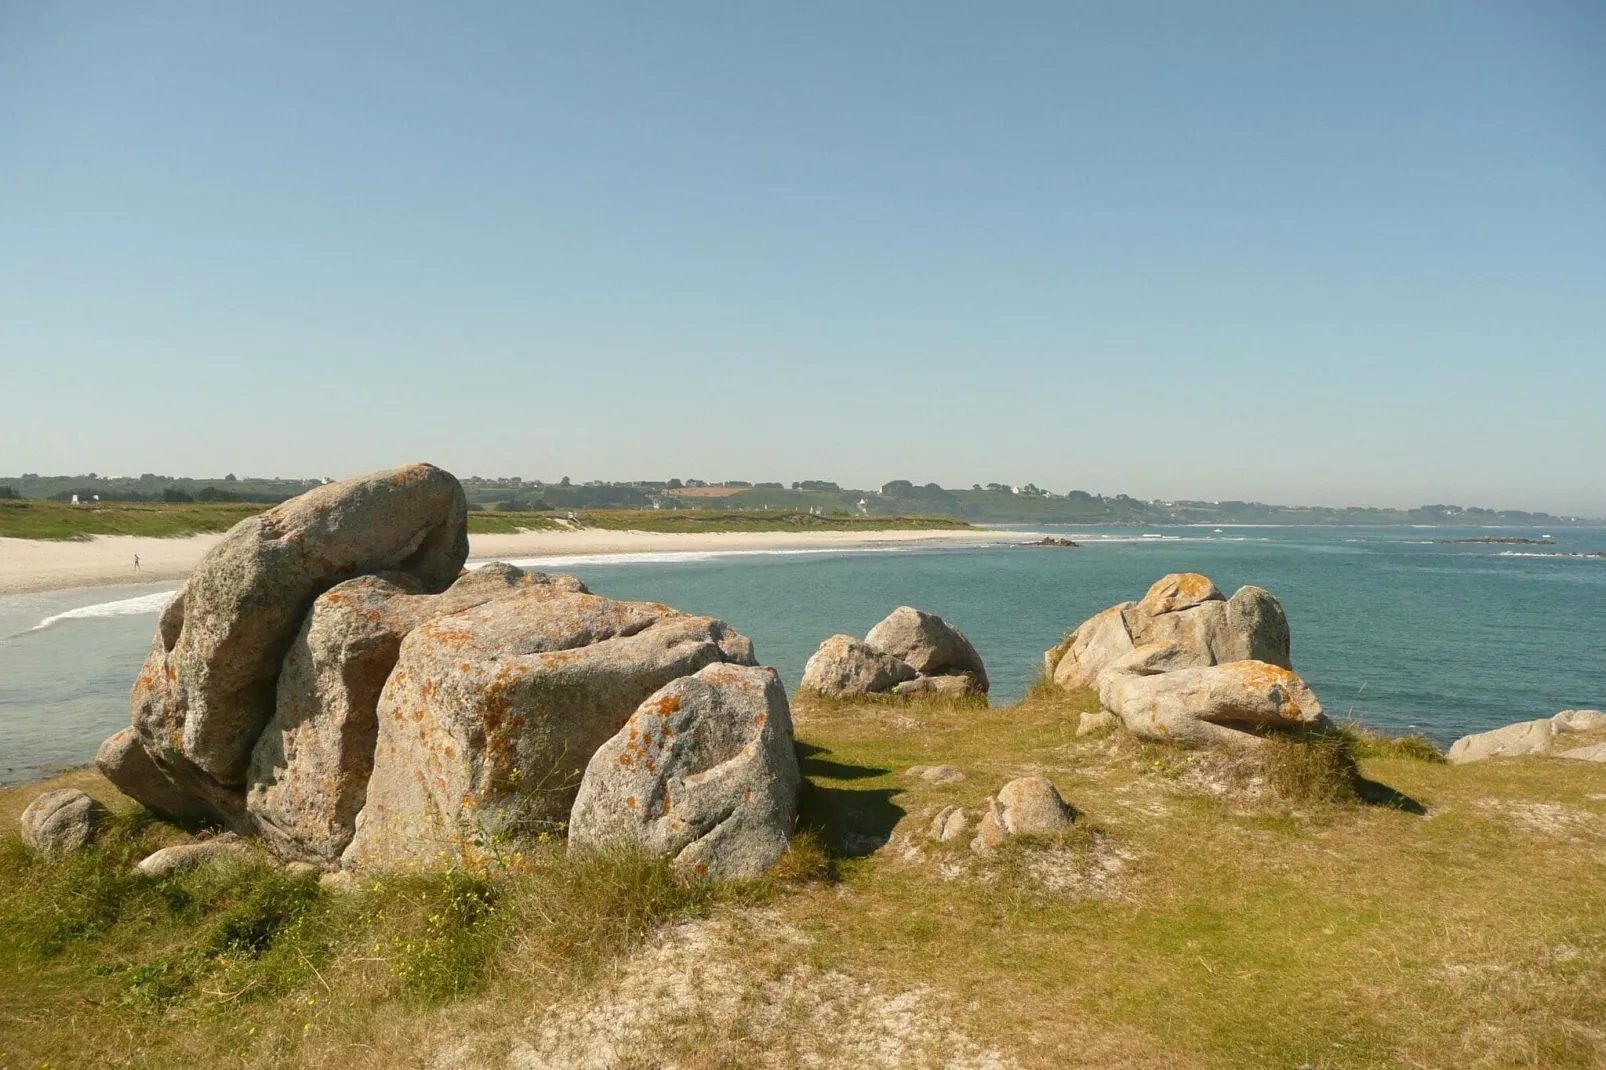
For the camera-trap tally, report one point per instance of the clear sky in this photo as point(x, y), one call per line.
point(1343, 253)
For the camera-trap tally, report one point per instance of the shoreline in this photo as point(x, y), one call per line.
point(29, 566)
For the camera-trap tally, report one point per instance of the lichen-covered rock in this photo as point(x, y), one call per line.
point(1029, 806)
point(1526, 737)
point(491, 715)
point(1210, 704)
point(931, 645)
point(1257, 628)
point(60, 822)
point(185, 856)
point(207, 689)
point(704, 772)
point(310, 767)
point(1091, 648)
point(1184, 611)
point(844, 667)
point(123, 760)
point(956, 685)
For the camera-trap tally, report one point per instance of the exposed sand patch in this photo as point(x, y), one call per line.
point(708, 990)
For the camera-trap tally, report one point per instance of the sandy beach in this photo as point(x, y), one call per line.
point(42, 565)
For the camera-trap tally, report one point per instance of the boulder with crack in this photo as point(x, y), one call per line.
point(491, 715)
point(1184, 610)
point(207, 689)
point(310, 767)
point(1229, 704)
point(59, 822)
point(704, 772)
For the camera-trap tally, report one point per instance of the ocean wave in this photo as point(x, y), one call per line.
point(1550, 553)
point(127, 607)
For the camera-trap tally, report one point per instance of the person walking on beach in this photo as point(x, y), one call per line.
point(136, 562)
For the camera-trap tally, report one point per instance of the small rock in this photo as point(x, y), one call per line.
point(1029, 806)
point(339, 880)
point(1096, 721)
point(949, 824)
point(937, 774)
point(297, 869)
point(844, 667)
point(955, 684)
point(63, 821)
point(186, 856)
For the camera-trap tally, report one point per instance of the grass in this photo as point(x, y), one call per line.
point(29, 519)
point(710, 520)
point(1206, 911)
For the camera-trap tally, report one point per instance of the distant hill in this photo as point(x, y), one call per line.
point(995, 503)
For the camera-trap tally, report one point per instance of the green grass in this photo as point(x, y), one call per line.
point(708, 520)
point(1356, 904)
point(27, 519)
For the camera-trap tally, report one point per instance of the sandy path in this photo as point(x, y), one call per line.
point(41, 565)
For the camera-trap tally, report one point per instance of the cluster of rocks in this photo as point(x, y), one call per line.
point(1187, 664)
point(1544, 736)
point(1028, 806)
point(911, 652)
point(330, 681)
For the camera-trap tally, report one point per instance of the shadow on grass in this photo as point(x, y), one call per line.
point(851, 822)
point(1373, 793)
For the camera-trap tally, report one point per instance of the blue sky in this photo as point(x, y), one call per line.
point(1343, 253)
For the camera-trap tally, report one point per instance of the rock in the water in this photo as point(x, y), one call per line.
point(1183, 610)
point(1029, 806)
point(491, 715)
point(123, 760)
point(62, 821)
point(1096, 721)
point(704, 772)
point(928, 643)
point(207, 689)
point(949, 825)
point(845, 667)
point(185, 856)
point(310, 768)
point(1211, 704)
point(1525, 737)
point(956, 685)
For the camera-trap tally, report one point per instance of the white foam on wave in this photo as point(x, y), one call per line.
point(127, 607)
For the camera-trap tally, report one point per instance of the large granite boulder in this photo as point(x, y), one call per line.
point(929, 644)
point(310, 767)
point(1207, 704)
point(704, 772)
point(910, 652)
point(491, 715)
point(1528, 737)
point(1183, 610)
point(60, 822)
point(844, 666)
point(207, 689)
point(123, 760)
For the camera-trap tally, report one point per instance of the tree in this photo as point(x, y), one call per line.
point(229, 478)
point(564, 482)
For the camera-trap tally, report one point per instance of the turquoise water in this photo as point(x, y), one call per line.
point(1388, 625)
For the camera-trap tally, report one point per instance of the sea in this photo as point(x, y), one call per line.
point(1403, 629)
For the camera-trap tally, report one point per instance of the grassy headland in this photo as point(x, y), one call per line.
point(33, 519)
point(22, 518)
point(1208, 911)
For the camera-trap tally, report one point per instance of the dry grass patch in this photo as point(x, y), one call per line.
point(1210, 910)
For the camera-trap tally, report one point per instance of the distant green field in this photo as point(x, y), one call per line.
point(708, 520)
point(31, 519)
